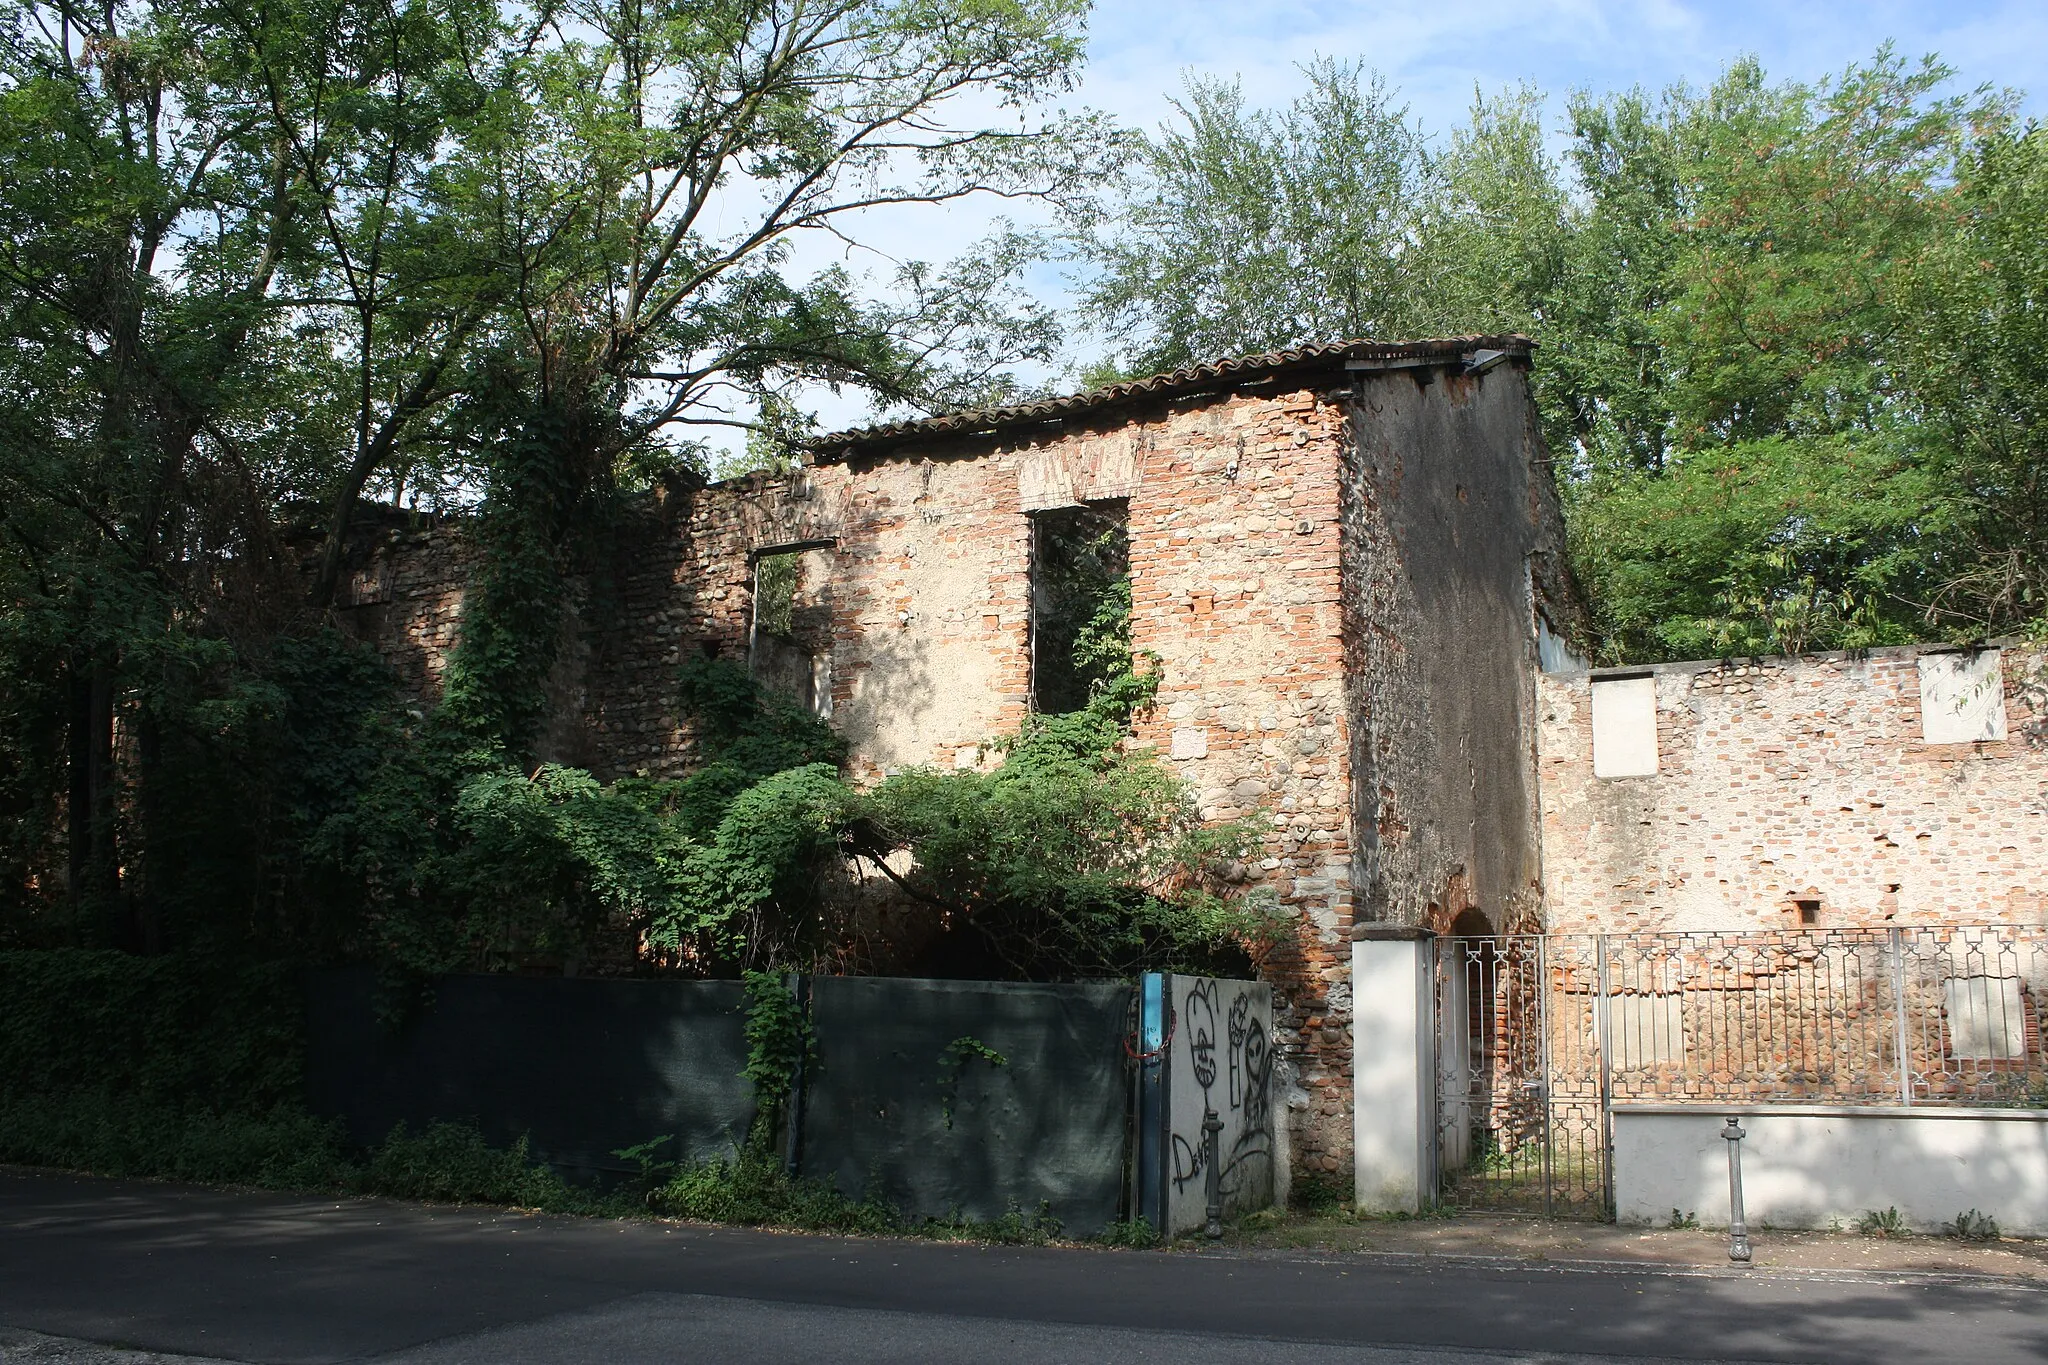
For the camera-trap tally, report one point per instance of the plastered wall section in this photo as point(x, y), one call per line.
point(1448, 502)
point(1783, 779)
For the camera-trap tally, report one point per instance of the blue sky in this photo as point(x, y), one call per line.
point(1435, 55)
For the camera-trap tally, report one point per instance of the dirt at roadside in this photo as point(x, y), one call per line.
point(1539, 1240)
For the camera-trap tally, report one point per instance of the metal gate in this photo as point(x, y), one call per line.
point(1522, 1083)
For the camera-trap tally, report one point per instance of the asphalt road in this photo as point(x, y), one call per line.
point(261, 1277)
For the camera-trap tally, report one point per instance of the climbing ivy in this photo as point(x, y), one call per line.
point(779, 1043)
point(547, 478)
point(952, 1060)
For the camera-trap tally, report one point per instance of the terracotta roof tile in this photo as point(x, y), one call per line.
point(1218, 374)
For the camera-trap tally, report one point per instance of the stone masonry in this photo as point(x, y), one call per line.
point(1781, 780)
point(1336, 557)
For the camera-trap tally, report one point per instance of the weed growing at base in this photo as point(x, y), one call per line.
point(290, 1150)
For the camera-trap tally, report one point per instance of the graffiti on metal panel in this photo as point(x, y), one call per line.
point(1243, 1100)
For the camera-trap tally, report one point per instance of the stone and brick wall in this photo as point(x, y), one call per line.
point(1799, 778)
point(1450, 504)
point(1233, 513)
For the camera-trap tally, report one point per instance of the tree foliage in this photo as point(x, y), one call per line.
point(1785, 330)
point(259, 263)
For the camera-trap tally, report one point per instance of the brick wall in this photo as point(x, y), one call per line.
point(1234, 512)
point(1781, 779)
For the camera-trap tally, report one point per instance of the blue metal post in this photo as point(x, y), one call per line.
point(1149, 1197)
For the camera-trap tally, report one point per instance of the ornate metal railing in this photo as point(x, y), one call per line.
point(1538, 1036)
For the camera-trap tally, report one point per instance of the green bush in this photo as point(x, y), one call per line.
point(753, 1188)
point(172, 1031)
point(452, 1164)
point(93, 1131)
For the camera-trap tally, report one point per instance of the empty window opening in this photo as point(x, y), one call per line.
point(1080, 603)
point(1809, 911)
point(789, 648)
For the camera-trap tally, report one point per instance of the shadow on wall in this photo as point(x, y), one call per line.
point(1815, 1168)
point(896, 714)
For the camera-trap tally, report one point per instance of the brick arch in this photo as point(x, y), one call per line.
point(1454, 906)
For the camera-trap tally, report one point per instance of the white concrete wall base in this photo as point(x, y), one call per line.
point(1817, 1167)
point(1394, 1118)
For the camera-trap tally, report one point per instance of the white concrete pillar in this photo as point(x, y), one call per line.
point(1393, 1068)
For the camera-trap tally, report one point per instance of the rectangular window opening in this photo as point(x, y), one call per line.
point(789, 645)
point(1080, 603)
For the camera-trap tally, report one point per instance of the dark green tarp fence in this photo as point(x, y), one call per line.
point(906, 1097)
point(909, 1101)
point(582, 1067)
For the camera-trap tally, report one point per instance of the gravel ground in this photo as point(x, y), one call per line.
point(1540, 1240)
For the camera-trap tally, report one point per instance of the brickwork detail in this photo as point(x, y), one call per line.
point(1781, 780)
point(1234, 508)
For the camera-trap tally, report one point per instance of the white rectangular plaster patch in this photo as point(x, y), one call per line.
point(1986, 1020)
point(1190, 744)
point(1625, 727)
point(1962, 697)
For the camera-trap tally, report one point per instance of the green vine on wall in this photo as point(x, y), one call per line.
point(542, 477)
point(952, 1060)
point(779, 1046)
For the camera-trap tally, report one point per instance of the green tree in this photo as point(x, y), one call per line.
point(1976, 361)
point(652, 175)
point(262, 261)
point(1241, 230)
point(147, 227)
point(1750, 473)
point(1742, 297)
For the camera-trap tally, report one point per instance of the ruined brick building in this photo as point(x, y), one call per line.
point(1348, 560)
point(1338, 555)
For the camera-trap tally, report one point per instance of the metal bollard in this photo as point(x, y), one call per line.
point(1738, 1229)
point(1212, 1127)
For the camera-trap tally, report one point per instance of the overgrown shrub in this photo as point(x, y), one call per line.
point(183, 1032)
point(450, 1163)
point(105, 1134)
point(753, 1188)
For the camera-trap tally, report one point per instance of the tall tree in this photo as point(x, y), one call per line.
point(143, 230)
point(1729, 341)
point(651, 181)
point(1976, 360)
point(1743, 297)
point(260, 258)
point(1242, 229)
